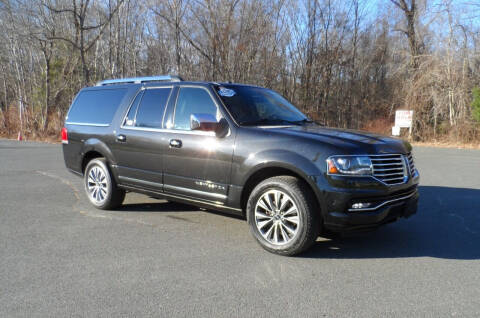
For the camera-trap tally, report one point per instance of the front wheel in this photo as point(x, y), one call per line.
point(100, 186)
point(282, 214)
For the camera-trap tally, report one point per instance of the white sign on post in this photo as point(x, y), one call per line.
point(395, 131)
point(403, 118)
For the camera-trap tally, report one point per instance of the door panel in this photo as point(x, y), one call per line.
point(141, 158)
point(196, 164)
point(200, 168)
point(139, 141)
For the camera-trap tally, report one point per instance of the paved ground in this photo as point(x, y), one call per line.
point(60, 257)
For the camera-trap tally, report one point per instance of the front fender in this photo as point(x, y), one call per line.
point(277, 159)
point(244, 169)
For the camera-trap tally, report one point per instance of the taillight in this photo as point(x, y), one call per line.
point(64, 136)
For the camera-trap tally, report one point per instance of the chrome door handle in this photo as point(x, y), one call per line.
point(121, 138)
point(175, 143)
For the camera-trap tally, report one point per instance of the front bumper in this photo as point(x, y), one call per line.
point(364, 220)
point(388, 203)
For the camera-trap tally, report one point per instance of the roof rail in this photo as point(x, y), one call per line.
point(139, 80)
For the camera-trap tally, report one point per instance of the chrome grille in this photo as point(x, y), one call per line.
point(411, 164)
point(390, 169)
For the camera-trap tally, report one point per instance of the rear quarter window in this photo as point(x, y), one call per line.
point(95, 106)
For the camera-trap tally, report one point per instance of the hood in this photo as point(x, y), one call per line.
point(348, 141)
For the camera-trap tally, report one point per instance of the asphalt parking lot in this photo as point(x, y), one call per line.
point(61, 257)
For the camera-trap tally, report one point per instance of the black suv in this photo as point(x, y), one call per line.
point(240, 149)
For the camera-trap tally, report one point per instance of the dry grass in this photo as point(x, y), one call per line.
point(456, 145)
point(467, 137)
point(380, 126)
point(32, 126)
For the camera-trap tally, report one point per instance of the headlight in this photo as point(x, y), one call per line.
point(349, 165)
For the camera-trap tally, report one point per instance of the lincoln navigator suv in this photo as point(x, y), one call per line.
point(238, 149)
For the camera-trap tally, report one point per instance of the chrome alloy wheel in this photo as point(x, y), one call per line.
point(277, 217)
point(97, 184)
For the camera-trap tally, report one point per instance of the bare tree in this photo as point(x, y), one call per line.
point(334, 59)
point(410, 10)
point(81, 15)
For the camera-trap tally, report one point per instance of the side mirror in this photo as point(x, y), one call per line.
point(222, 128)
point(207, 122)
point(203, 122)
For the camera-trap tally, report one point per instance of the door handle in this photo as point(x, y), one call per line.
point(121, 138)
point(175, 143)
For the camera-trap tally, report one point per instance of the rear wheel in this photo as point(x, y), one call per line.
point(282, 214)
point(100, 186)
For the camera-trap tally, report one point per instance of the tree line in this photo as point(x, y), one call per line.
point(346, 63)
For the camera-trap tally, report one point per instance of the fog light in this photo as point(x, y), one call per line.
point(361, 205)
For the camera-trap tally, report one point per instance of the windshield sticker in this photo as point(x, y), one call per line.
point(226, 92)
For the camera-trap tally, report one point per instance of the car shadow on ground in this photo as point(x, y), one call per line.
point(159, 207)
point(166, 207)
point(447, 225)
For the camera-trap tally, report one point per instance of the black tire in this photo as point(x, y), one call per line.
point(307, 228)
point(114, 196)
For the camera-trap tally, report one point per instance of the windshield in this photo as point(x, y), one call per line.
point(252, 106)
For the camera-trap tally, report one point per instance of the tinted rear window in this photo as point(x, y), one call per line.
point(150, 112)
point(96, 106)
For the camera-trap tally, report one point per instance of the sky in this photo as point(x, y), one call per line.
point(470, 9)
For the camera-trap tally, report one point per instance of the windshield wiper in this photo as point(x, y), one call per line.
point(263, 121)
point(297, 122)
point(267, 121)
point(303, 121)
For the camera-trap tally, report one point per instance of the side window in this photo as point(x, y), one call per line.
point(96, 106)
point(192, 100)
point(151, 109)
point(130, 119)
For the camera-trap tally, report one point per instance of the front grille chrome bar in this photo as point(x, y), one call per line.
point(383, 203)
point(389, 169)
